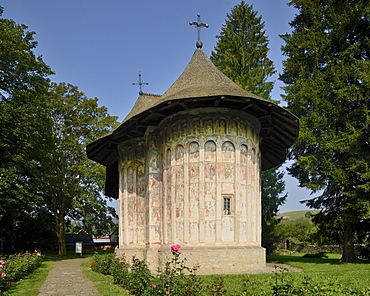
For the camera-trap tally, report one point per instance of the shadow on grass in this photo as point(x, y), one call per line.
point(332, 259)
point(286, 259)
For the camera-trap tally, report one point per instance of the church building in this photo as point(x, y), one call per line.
point(186, 169)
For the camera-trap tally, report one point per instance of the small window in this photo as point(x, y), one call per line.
point(227, 205)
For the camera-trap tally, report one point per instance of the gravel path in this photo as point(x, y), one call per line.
point(67, 279)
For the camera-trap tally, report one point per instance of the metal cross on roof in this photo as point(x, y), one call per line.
point(199, 25)
point(140, 83)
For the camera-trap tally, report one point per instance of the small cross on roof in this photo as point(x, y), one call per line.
point(199, 25)
point(140, 83)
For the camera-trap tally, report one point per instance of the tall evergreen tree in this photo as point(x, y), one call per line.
point(328, 86)
point(241, 54)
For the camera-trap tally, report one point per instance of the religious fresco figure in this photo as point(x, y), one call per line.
point(210, 150)
point(186, 165)
point(194, 150)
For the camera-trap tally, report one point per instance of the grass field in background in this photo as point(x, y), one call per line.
point(296, 215)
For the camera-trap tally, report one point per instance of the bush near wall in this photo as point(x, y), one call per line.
point(175, 278)
point(15, 267)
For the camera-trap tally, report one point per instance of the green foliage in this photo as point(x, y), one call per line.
point(174, 278)
point(285, 285)
point(241, 54)
point(216, 288)
point(321, 276)
point(24, 130)
point(73, 184)
point(241, 51)
point(272, 188)
point(104, 264)
point(308, 215)
point(16, 267)
point(302, 230)
point(45, 176)
point(328, 88)
point(364, 252)
point(104, 284)
point(31, 284)
point(177, 278)
point(316, 255)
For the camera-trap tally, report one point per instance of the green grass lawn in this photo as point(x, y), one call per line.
point(330, 276)
point(103, 283)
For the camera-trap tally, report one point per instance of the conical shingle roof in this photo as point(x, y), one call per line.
point(201, 78)
point(200, 85)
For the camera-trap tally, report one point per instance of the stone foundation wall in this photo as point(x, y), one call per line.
point(316, 249)
point(326, 248)
point(212, 260)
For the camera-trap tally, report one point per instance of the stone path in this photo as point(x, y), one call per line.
point(67, 279)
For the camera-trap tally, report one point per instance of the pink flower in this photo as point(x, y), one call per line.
point(154, 286)
point(3, 275)
point(166, 292)
point(175, 249)
point(117, 256)
point(2, 261)
point(179, 252)
point(1, 266)
point(124, 262)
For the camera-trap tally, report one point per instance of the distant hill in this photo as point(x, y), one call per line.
point(296, 215)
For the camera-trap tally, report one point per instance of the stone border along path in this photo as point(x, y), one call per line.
point(67, 279)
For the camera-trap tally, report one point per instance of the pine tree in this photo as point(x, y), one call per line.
point(328, 86)
point(241, 54)
point(241, 51)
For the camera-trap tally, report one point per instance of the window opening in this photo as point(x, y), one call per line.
point(227, 205)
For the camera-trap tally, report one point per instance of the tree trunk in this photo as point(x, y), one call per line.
point(61, 235)
point(348, 245)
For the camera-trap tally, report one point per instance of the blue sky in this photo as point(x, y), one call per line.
point(102, 45)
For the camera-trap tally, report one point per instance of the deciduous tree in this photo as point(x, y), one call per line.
point(328, 86)
point(73, 186)
point(24, 129)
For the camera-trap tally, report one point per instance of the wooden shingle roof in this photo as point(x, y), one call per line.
point(200, 85)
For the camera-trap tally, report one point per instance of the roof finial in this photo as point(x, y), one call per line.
point(140, 83)
point(199, 25)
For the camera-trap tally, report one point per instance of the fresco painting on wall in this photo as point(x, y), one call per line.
point(140, 183)
point(210, 151)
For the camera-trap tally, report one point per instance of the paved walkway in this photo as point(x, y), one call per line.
point(66, 279)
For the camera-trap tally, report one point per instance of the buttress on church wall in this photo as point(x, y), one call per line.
point(193, 180)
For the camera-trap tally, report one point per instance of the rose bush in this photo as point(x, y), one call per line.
point(16, 267)
point(175, 278)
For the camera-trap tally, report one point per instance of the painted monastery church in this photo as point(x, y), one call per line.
point(185, 167)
